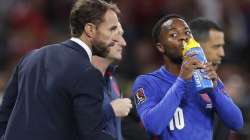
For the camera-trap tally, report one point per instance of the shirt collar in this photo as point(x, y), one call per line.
point(83, 45)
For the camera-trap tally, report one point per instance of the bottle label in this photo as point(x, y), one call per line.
point(193, 49)
point(198, 78)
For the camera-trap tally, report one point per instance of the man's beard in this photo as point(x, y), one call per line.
point(101, 49)
point(174, 58)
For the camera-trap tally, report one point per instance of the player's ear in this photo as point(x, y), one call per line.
point(160, 47)
point(90, 30)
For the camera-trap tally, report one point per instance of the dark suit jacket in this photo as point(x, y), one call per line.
point(54, 94)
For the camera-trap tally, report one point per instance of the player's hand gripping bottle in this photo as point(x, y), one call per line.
point(202, 83)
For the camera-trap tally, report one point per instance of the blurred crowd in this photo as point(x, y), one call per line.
point(29, 24)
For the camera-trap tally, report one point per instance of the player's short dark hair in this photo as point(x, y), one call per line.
point(88, 11)
point(157, 27)
point(200, 28)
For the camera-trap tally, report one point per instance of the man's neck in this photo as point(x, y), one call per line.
point(101, 63)
point(86, 40)
point(172, 67)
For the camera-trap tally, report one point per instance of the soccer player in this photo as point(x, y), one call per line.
point(114, 107)
point(166, 99)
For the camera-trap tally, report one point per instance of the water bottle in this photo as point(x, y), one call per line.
point(202, 83)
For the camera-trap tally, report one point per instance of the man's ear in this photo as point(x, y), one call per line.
point(90, 30)
point(160, 47)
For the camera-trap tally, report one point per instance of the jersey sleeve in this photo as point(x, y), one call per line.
point(225, 108)
point(154, 111)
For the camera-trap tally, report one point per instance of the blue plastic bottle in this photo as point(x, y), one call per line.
point(202, 83)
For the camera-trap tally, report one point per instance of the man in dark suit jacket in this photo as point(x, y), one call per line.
point(55, 93)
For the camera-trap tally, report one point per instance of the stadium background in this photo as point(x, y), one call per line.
point(29, 24)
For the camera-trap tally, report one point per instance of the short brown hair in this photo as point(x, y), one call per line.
point(88, 11)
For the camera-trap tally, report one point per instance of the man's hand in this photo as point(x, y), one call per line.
point(211, 73)
point(188, 65)
point(121, 107)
